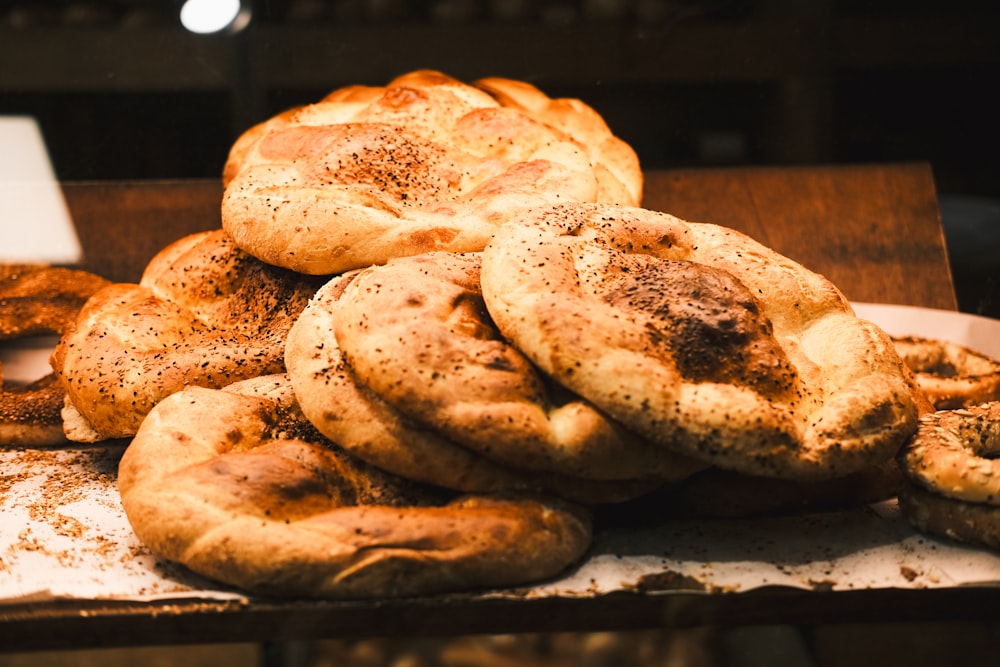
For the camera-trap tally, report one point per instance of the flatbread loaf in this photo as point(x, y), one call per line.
point(203, 313)
point(424, 163)
point(360, 420)
point(701, 339)
point(236, 485)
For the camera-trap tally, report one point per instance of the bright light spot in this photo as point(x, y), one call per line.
point(206, 16)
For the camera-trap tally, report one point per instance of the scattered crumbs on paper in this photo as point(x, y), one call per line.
point(63, 532)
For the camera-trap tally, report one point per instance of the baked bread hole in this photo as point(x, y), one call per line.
point(951, 375)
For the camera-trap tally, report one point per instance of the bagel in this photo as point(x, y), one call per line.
point(37, 300)
point(30, 414)
point(424, 163)
point(237, 486)
point(955, 453)
point(699, 338)
point(951, 375)
point(203, 313)
point(953, 475)
point(350, 413)
point(935, 514)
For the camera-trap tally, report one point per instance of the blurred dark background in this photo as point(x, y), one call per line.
point(122, 91)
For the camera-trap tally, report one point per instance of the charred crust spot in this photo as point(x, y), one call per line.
point(708, 322)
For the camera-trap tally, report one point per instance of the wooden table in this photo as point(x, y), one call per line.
point(874, 230)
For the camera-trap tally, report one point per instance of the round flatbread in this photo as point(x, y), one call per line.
point(424, 163)
point(204, 313)
point(236, 485)
point(701, 339)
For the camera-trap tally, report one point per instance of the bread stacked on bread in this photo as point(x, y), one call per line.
point(204, 313)
point(237, 485)
point(401, 365)
point(480, 312)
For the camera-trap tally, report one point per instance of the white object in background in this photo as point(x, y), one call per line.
point(35, 224)
point(25, 360)
point(979, 333)
point(208, 16)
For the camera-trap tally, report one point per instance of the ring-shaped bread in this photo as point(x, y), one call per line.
point(424, 163)
point(236, 485)
point(416, 332)
point(951, 375)
point(355, 417)
point(935, 514)
point(700, 338)
point(31, 413)
point(203, 313)
point(956, 453)
point(36, 300)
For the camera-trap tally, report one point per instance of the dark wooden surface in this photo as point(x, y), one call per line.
point(87, 624)
point(121, 225)
point(874, 230)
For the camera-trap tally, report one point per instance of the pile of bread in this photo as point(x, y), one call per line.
point(436, 329)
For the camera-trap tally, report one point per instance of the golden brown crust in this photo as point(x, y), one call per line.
point(40, 299)
point(619, 175)
point(428, 163)
point(30, 414)
point(204, 313)
point(701, 339)
point(951, 375)
point(358, 419)
point(236, 485)
point(954, 453)
point(971, 523)
point(35, 300)
point(416, 332)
